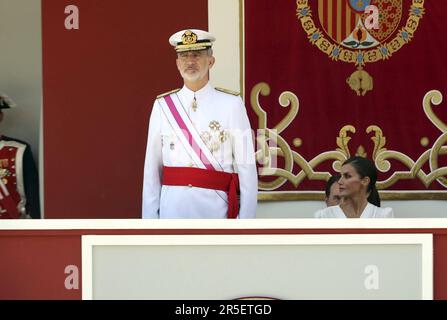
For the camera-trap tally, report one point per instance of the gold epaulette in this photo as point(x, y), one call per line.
point(234, 93)
point(167, 93)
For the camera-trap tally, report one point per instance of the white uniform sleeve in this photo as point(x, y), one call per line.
point(153, 167)
point(244, 162)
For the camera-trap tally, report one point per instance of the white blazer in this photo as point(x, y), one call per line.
point(370, 211)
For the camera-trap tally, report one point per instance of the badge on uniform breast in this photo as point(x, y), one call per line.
point(4, 172)
point(214, 138)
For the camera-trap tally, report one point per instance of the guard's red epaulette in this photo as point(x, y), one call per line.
point(167, 93)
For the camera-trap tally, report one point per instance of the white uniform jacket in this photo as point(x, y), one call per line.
point(221, 120)
point(370, 211)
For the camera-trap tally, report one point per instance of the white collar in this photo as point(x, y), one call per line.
point(366, 213)
point(188, 94)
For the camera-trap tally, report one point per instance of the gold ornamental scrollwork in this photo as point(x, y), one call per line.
point(271, 146)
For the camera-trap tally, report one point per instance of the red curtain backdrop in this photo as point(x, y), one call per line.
point(99, 85)
point(296, 47)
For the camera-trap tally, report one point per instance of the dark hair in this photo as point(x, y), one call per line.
point(366, 168)
point(330, 182)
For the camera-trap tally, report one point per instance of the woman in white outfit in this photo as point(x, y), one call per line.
point(360, 198)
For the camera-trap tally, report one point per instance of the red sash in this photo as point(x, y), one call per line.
point(208, 179)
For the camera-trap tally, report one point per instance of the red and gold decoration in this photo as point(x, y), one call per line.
point(312, 111)
point(347, 39)
point(12, 180)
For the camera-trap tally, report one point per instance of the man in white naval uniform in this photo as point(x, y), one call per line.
point(200, 150)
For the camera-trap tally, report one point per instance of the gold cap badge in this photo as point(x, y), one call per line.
point(189, 37)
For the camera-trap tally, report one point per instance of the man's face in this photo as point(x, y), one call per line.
point(194, 65)
point(334, 196)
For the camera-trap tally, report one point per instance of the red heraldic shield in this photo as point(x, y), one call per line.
point(324, 86)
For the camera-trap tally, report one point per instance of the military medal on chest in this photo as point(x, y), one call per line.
point(7, 165)
point(194, 104)
point(214, 138)
point(4, 171)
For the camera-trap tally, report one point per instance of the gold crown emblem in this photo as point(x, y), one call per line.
point(189, 37)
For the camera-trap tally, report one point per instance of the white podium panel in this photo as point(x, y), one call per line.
point(203, 267)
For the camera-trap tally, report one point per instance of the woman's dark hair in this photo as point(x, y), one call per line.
point(330, 182)
point(366, 168)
